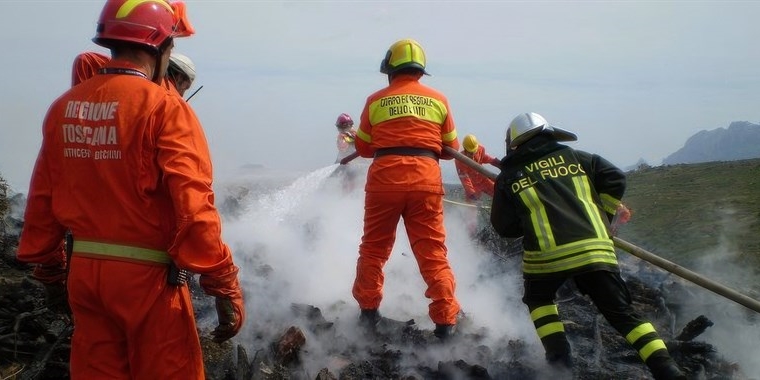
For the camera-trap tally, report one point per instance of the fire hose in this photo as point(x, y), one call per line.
point(643, 254)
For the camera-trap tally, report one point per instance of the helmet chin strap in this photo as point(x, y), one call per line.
point(156, 70)
point(157, 74)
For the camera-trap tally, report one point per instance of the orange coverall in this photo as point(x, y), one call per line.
point(124, 165)
point(474, 183)
point(411, 115)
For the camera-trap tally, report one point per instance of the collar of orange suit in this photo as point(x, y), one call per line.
point(122, 67)
point(405, 77)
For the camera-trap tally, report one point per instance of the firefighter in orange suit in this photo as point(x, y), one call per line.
point(404, 128)
point(125, 167)
point(474, 183)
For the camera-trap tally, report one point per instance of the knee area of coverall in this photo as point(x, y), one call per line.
point(537, 293)
point(440, 287)
point(609, 287)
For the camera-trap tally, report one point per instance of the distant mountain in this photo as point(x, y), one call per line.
point(740, 141)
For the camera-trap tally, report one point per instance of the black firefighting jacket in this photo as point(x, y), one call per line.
point(561, 201)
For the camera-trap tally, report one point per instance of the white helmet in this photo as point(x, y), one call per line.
point(526, 125)
point(183, 64)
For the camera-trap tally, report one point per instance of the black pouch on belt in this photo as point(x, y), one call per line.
point(177, 277)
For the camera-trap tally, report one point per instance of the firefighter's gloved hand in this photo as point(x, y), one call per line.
point(224, 285)
point(53, 278)
point(622, 216)
point(57, 298)
point(230, 315)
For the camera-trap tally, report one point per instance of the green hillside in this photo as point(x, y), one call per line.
point(681, 212)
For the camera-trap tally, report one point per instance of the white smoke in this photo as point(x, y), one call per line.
point(298, 243)
point(736, 329)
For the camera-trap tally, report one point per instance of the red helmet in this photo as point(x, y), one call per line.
point(144, 22)
point(344, 120)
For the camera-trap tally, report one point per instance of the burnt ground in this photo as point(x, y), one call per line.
point(35, 341)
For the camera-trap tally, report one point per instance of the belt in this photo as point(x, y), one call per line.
point(405, 151)
point(125, 252)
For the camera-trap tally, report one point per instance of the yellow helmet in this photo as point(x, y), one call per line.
point(470, 143)
point(403, 54)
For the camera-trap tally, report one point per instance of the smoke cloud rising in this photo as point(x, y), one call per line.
point(298, 243)
point(296, 238)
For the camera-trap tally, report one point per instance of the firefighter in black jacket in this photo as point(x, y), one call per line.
point(561, 201)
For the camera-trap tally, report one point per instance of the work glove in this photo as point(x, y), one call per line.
point(230, 316)
point(622, 216)
point(57, 298)
point(53, 278)
point(230, 310)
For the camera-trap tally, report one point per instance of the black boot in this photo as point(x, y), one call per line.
point(665, 368)
point(368, 319)
point(558, 351)
point(560, 360)
point(444, 332)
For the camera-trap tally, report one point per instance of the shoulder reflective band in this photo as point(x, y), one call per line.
point(122, 251)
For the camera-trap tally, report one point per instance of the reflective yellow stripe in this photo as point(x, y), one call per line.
point(366, 137)
point(594, 257)
point(122, 251)
point(583, 190)
point(609, 203)
point(651, 348)
point(570, 256)
point(639, 331)
point(571, 248)
point(407, 105)
point(538, 218)
point(543, 311)
point(449, 137)
point(551, 328)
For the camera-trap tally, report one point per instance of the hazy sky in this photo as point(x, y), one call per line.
point(634, 79)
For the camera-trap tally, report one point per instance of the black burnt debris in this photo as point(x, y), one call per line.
point(35, 341)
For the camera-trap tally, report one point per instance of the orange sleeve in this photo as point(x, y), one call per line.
point(362, 144)
point(449, 129)
point(484, 158)
point(42, 234)
point(464, 177)
point(185, 160)
point(86, 65)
